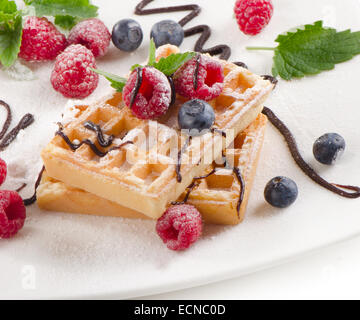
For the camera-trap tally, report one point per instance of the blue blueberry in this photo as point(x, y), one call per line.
point(329, 148)
point(196, 115)
point(281, 192)
point(127, 35)
point(167, 31)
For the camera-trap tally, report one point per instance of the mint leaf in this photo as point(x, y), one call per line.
point(66, 22)
point(152, 53)
point(10, 32)
point(7, 6)
point(170, 64)
point(74, 8)
point(311, 50)
point(136, 66)
point(117, 82)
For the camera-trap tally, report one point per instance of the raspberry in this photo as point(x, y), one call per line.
point(180, 226)
point(93, 34)
point(153, 98)
point(72, 75)
point(3, 171)
point(40, 40)
point(200, 78)
point(12, 213)
point(253, 15)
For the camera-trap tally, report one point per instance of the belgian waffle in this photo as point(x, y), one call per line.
point(216, 196)
point(137, 170)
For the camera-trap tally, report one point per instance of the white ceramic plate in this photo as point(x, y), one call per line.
point(70, 256)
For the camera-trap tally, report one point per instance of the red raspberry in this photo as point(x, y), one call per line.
point(180, 226)
point(40, 40)
point(3, 171)
point(210, 78)
point(154, 95)
point(72, 75)
point(12, 213)
point(93, 34)
point(253, 15)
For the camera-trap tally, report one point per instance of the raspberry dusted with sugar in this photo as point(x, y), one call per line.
point(3, 171)
point(200, 78)
point(253, 15)
point(12, 213)
point(72, 75)
point(180, 226)
point(147, 93)
point(93, 34)
point(40, 40)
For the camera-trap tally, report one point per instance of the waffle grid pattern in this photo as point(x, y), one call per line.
point(146, 168)
point(215, 196)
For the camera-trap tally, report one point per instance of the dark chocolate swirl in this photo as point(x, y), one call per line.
point(99, 134)
point(223, 50)
point(303, 165)
point(32, 200)
point(138, 83)
point(238, 176)
point(7, 139)
point(179, 158)
point(7, 122)
point(100, 139)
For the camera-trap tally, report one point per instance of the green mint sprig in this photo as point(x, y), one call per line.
point(66, 12)
point(167, 65)
point(118, 83)
point(10, 32)
point(311, 50)
point(152, 53)
point(170, 64)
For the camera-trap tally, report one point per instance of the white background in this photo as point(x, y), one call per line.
point(78, 256)
point(332, 273)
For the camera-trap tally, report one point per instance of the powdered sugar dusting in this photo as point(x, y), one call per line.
point(81, 256)
point(20, 72)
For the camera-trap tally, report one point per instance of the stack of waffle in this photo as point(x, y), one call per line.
point(136, 168)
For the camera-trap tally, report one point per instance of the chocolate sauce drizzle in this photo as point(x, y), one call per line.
point(270, 78)
point(7, 139)
point(173, 92)
point(305, 167)
point(216, 130)
point(21, 188)
point(135, 91)
point(75, 146)
point(225, 164)
point(7, 122)
point(241, 64)
point(180, 154)
point(223, 50)
point(93, 147)
point(241, 181)
point(194, 184)
point(32, 200)
point(196, 72)
point(100, 135)
point(190, 188)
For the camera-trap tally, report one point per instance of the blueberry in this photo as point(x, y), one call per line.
point(127, 35)
point(167, 31)
point(196, 115)
point(329, 148)
point(281, 192)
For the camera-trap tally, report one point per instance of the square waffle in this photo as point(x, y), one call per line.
point(142, 175)
point(216, 196)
